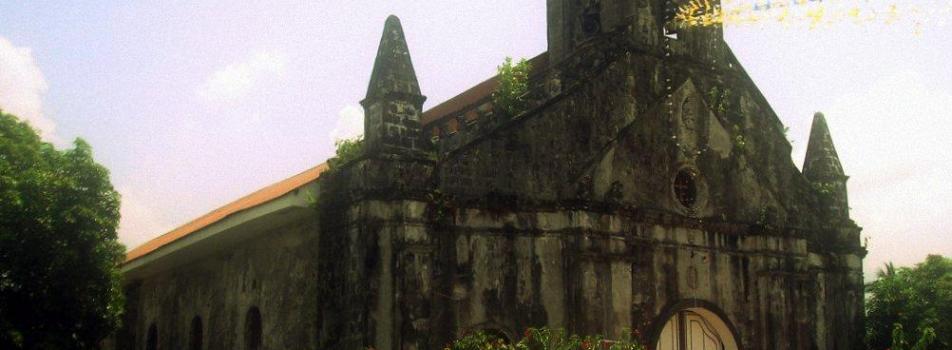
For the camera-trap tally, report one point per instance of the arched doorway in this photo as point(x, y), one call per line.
point(695, 328)
point(152, 339)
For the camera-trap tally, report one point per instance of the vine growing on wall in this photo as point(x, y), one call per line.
point(347, 150)
point(825, 188)
point(719, 99)
point(510, 94)
point(740, 142)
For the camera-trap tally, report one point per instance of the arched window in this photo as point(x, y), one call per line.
point(685, 188)
point(253, 329)
point(152, 339)
point(195, 334)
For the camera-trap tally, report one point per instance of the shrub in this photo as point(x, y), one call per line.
point(542, 339)
point(510, 95)
point(347, 150)
point(917, 299)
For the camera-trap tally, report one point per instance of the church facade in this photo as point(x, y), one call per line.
point(645, 190)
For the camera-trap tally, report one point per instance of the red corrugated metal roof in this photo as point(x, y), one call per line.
point(467, 98)
point(477, 93)
point(257, 198)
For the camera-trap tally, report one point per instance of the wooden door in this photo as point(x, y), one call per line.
point(688, 330)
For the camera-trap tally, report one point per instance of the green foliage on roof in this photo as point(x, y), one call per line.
point(347, 151)
point(510, 95)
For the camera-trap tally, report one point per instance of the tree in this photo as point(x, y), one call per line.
point(899, 341)
point(59, 257)
point(911, 303)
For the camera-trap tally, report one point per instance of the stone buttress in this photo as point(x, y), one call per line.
point(377, 253)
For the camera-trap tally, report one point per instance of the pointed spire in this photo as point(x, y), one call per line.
point(393, 105)
point(393, 70)
point(821, 162)
point(823, 169)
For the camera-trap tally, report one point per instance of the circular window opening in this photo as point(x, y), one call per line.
point(590, 24)
point(685, 188)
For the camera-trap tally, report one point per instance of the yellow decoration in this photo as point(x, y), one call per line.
point(706, 13)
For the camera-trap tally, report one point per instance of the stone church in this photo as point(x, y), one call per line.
point(645, 190)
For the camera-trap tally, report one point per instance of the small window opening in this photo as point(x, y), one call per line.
point(685, 188)
point(195, 335)
point(471, 117)
point(452, 126)
point(253, 329)
point(591, 18)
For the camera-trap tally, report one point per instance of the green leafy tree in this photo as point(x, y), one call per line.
point(899, 342)
point(59, 257)
point(510, 94)
point(911, 303)
point(542, 339)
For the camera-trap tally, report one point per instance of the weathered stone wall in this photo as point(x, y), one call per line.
point(275, 272)
point(608, 273)
point(593, 272)
point(566, 215)
point(572, 214)
point(373, 215)
point(620, 120)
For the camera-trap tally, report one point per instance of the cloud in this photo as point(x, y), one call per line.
point(139, 221)
point(22, 87)
point(236, 80)
point(893, 139)
point(350, 123)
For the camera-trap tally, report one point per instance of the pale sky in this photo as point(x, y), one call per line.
point(194, 105)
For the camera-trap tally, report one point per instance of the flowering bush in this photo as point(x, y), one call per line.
point(542, 339)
